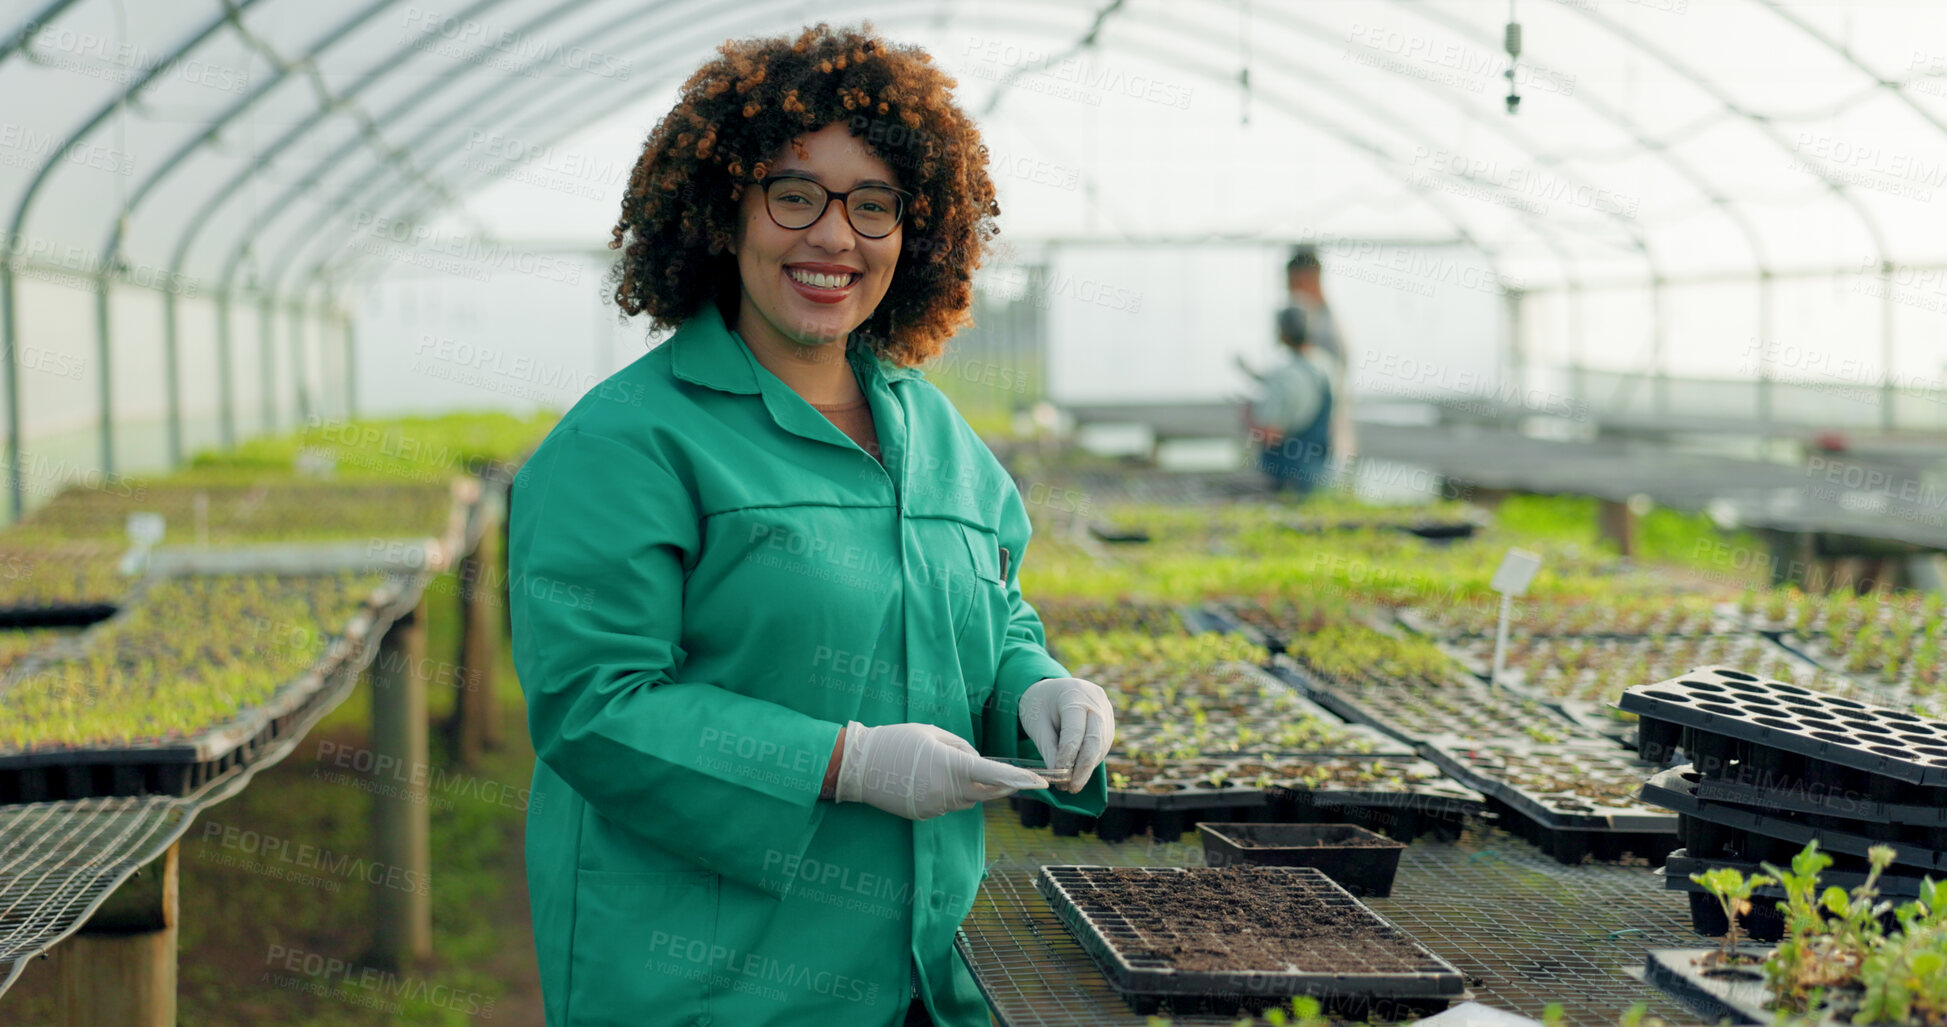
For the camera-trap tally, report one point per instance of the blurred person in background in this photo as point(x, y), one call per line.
point(1303, 290)
point(1290, 420)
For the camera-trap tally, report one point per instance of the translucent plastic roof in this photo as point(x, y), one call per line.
point(258, 141)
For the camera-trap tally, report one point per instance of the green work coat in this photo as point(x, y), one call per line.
point(708, 580)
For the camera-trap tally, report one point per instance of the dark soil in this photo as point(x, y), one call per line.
point(1247, 918)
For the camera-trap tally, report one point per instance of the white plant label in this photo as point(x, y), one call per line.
point(1517, 570)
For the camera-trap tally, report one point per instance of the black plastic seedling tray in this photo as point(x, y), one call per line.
point(1818, 798)
point(1425, 802)
point(1736, 995)
point(1431, 530)
point(1568, 826)
point(1676, 789)
point(1120, 535)
point(1123, 942)
point(1362, 862)
point(1401, 711)
point(183, 766)
point(1421, 622)
point(78, 615)
point(1762, 922)
point(1723, 703)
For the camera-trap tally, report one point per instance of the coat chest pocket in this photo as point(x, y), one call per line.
point(980, 638)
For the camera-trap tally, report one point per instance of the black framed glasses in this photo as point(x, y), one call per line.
point(796, 202)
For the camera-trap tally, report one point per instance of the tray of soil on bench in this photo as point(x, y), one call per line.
point(1362, 862)
point(1228, 938)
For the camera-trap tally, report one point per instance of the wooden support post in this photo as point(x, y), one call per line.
point(403, 926)
point(1617, 524)
point(476, 714)
point(120, 968)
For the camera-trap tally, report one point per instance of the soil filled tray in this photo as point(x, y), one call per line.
point(1361, 861)
point(1676, 789)
point(1242, 937)
point(1731, 704)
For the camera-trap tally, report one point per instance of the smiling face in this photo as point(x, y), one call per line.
point(790, 278)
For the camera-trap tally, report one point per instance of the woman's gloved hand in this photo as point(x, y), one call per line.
point(919, 771)
point(1071, 722)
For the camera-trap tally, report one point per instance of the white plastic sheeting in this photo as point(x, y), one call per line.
point(1728, 188)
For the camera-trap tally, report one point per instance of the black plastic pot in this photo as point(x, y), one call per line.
point(1361, 861)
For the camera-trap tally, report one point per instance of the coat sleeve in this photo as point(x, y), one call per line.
point(1024, 660)
point(598, 543)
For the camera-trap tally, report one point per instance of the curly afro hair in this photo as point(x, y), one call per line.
point(679, 215)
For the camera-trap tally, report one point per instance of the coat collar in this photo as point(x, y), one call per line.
point(705, 351)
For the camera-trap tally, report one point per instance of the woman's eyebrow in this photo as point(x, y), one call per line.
point(814, 176)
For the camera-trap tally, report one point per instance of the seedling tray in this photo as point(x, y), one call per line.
point(1818, 798)
point(72, 615)
point(1362, 862)
point(1122, 534)
point(181, 766)
point(1419, 713)
point(1678, 867)
point(1738, 996)
point(1433, 530)
point(1433, 625)
point(1403, 795)
point(1676, 789)
point(1569, 823)
point(1763, 922)
point(1152, 953)
point(1275, 639)
point(1730, 704)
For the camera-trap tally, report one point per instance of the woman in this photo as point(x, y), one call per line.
point(768, 612)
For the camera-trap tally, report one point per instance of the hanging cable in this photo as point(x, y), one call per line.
point(1513, 42)
point(1244, 62)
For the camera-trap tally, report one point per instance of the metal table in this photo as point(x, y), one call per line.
point(1525, 930)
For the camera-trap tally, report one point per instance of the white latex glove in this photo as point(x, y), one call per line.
point(919, 771)
point(1071, 722)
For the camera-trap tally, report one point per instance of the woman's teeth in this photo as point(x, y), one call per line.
point(819, 280)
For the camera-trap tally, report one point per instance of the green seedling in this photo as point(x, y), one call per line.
point(1733, 891)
